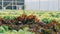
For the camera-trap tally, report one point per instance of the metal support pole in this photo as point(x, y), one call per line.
point(23, 7)
point(12, 4)
point(2, 5)
point(16, 4)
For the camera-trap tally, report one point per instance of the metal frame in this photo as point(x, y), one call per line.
point(11, 2)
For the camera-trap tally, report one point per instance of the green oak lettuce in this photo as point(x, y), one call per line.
point(4, 30)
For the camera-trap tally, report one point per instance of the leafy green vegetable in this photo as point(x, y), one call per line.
point(45, 20)
point(1, 31)
point(12, 17)
point(6, 17)
point(4, 30)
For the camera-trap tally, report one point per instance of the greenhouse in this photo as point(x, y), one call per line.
point(11, 4)
point(29, 16)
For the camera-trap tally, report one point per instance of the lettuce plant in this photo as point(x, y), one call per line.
point(4, 30)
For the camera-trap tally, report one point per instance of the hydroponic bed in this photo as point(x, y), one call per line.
point(31, 22)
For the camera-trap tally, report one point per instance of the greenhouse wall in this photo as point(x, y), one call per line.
point(51, 5)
